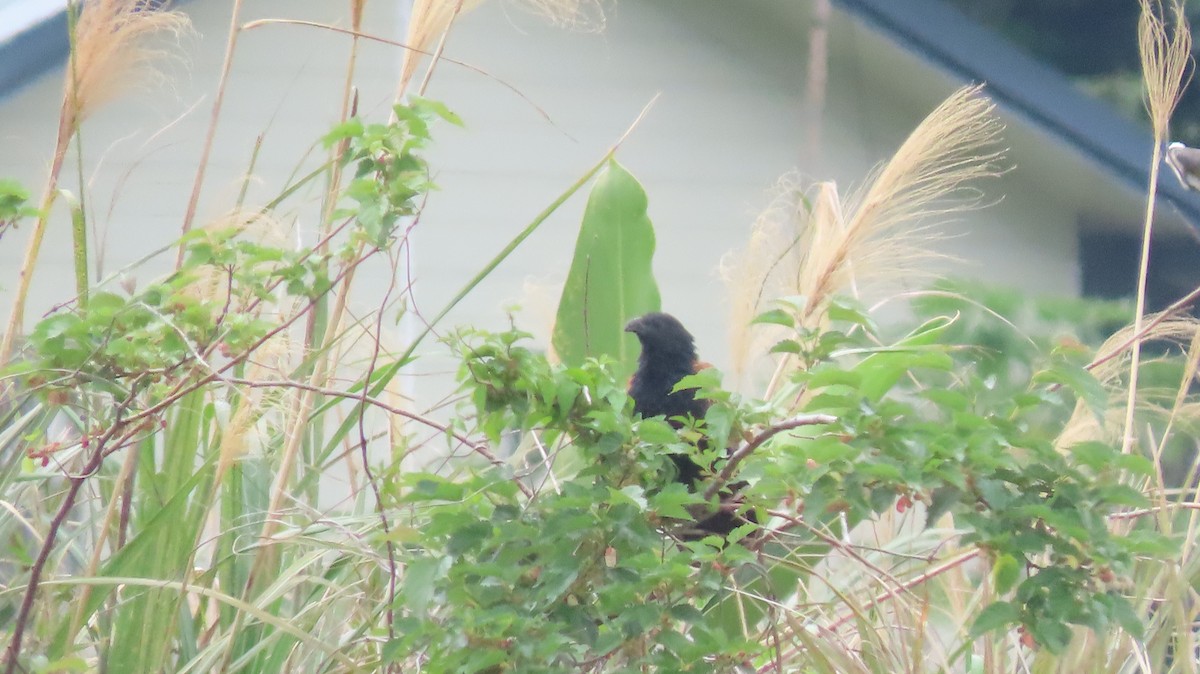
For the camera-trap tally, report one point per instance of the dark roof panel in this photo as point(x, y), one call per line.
point(1025, 86)
point(28, 54)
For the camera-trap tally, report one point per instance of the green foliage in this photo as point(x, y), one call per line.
point(138, 345)
point(1007, 332)
point(147, 375)
point(14, 204)
point(561, 543)
point(579, 577)
point(611, 279)
point(924, 420)
point(389, 175)
point(583, 572)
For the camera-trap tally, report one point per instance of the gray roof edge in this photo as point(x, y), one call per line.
point(37, 41)
point(939, 33)
point(28, 54)
point(1025, 86)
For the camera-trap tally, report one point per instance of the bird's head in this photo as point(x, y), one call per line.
point(663, 336)
point(1185, 162)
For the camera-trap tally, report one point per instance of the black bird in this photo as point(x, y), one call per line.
point(668, 355)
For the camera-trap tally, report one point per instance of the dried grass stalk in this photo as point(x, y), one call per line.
point(109, 54)
point(1165, 54)
point(1113, 373)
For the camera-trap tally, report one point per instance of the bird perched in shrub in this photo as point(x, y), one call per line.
point(668, 355)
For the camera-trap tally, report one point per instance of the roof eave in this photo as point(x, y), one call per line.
point(1026, 87)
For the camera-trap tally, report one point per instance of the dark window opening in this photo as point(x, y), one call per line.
point(1109, 265)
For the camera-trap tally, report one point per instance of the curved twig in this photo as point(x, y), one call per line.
point(749, 448)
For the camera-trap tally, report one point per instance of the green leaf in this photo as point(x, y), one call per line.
point(941, 501)
point(826, 449)
point(672, 501)
point(1123, 613)
point(420, 581)
point(786, 346)
point(1150, 544)
point(1136, 464)
point(611, 279)
point(1121, 495)
point(1005, 573)
point(881, 498)
point(850, 311)
point(633, 494)
point(351, 128)
point(437, 108)
point(1093, 454)
point(430, 487)
point(13, 198)
point(468, 537)
point(656, 431)
point(1082, 382)
point(1054, 635)
point(775, 317)
point(707, 379)
point(996, 616)
point(825, 375)
point(882, 368)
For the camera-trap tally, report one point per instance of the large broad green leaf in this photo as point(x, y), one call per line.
point(611, 279)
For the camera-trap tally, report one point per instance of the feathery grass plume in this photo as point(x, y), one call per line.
point(110, 53)
point(885, 232)
point(766, 268)
point(256, 413)
point(578, 15)
point(1165, 53)
point(1112, 373)
point(430, 21)
point(237, 429)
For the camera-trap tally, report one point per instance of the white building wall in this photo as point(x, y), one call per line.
point(141, 150)
point(728, 121)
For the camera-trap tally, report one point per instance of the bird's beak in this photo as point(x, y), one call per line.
point(632, 326)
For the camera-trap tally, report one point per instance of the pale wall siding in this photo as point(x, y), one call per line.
point(141, 152)
point(728, 122)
